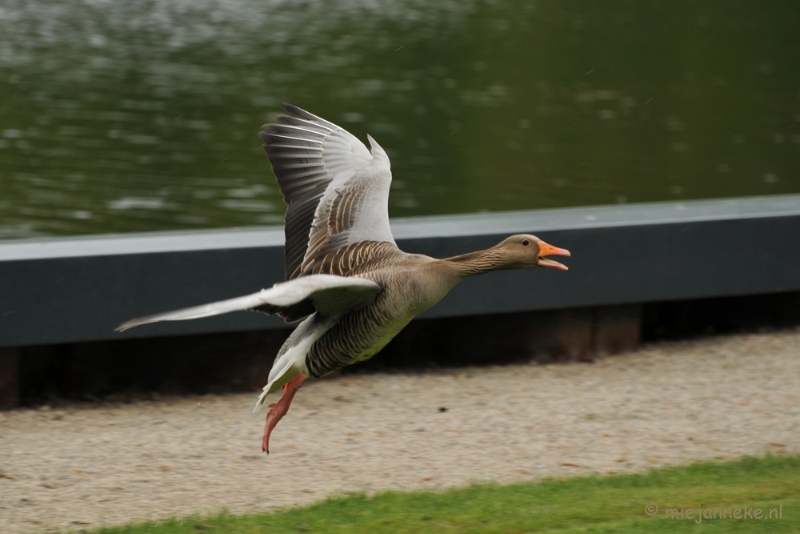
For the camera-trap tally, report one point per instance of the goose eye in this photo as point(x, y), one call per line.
point(525, 242)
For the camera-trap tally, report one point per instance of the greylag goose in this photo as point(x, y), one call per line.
point(345, 275)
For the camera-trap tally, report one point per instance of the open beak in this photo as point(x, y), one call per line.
point(550, 250)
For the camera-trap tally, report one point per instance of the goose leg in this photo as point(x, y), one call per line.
point(279, 409)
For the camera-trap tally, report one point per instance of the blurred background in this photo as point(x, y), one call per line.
point(140, 116)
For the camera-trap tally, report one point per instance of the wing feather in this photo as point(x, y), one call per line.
point(336, 189)
point(327, 294)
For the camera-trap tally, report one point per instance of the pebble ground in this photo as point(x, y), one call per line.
point(86, 465)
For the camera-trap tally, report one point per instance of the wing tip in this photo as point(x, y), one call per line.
point(377, 151)
point(289, 108)
point(139, 321)
point(308, 116)
point(296, 110)
point(127, 325)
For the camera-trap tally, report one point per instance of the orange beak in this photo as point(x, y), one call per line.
point(550, 250)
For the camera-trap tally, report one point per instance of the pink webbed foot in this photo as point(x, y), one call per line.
point(279, 409)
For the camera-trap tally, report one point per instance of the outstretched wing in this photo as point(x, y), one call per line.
point(336, 190)
point(327, 294)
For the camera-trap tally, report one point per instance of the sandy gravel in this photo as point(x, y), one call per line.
point(82, 466)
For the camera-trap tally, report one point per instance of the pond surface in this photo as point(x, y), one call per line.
point(122, 116)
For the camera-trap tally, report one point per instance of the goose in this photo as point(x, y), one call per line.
point(346, 279)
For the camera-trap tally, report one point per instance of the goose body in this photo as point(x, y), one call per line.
point(409, 286)
point(353, 288)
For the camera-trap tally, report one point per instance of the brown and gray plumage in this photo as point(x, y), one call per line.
point(345, 275)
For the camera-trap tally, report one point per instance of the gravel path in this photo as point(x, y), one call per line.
point(82, 466)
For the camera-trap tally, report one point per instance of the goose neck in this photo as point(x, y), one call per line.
point(476, 263)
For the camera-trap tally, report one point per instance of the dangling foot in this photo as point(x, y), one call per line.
point(279, 409)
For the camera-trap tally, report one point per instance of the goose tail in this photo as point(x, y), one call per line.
point(278, 377)
point(292, 356)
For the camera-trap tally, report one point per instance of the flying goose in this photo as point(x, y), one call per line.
point(345, 277)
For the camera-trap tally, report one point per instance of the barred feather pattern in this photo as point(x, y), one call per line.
point(334, 218)
point(360, 257)
point(411, 284)
point(358, 336)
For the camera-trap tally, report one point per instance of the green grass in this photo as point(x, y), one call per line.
point(596, 504)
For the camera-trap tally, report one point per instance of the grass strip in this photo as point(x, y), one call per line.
point(596, 504)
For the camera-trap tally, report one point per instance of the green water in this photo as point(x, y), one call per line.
point(121, 116)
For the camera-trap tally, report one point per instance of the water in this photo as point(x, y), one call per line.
point(120, 116)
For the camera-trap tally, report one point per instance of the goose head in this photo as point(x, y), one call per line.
point(525, 251)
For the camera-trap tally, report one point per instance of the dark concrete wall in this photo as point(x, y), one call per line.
point(240, 361)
